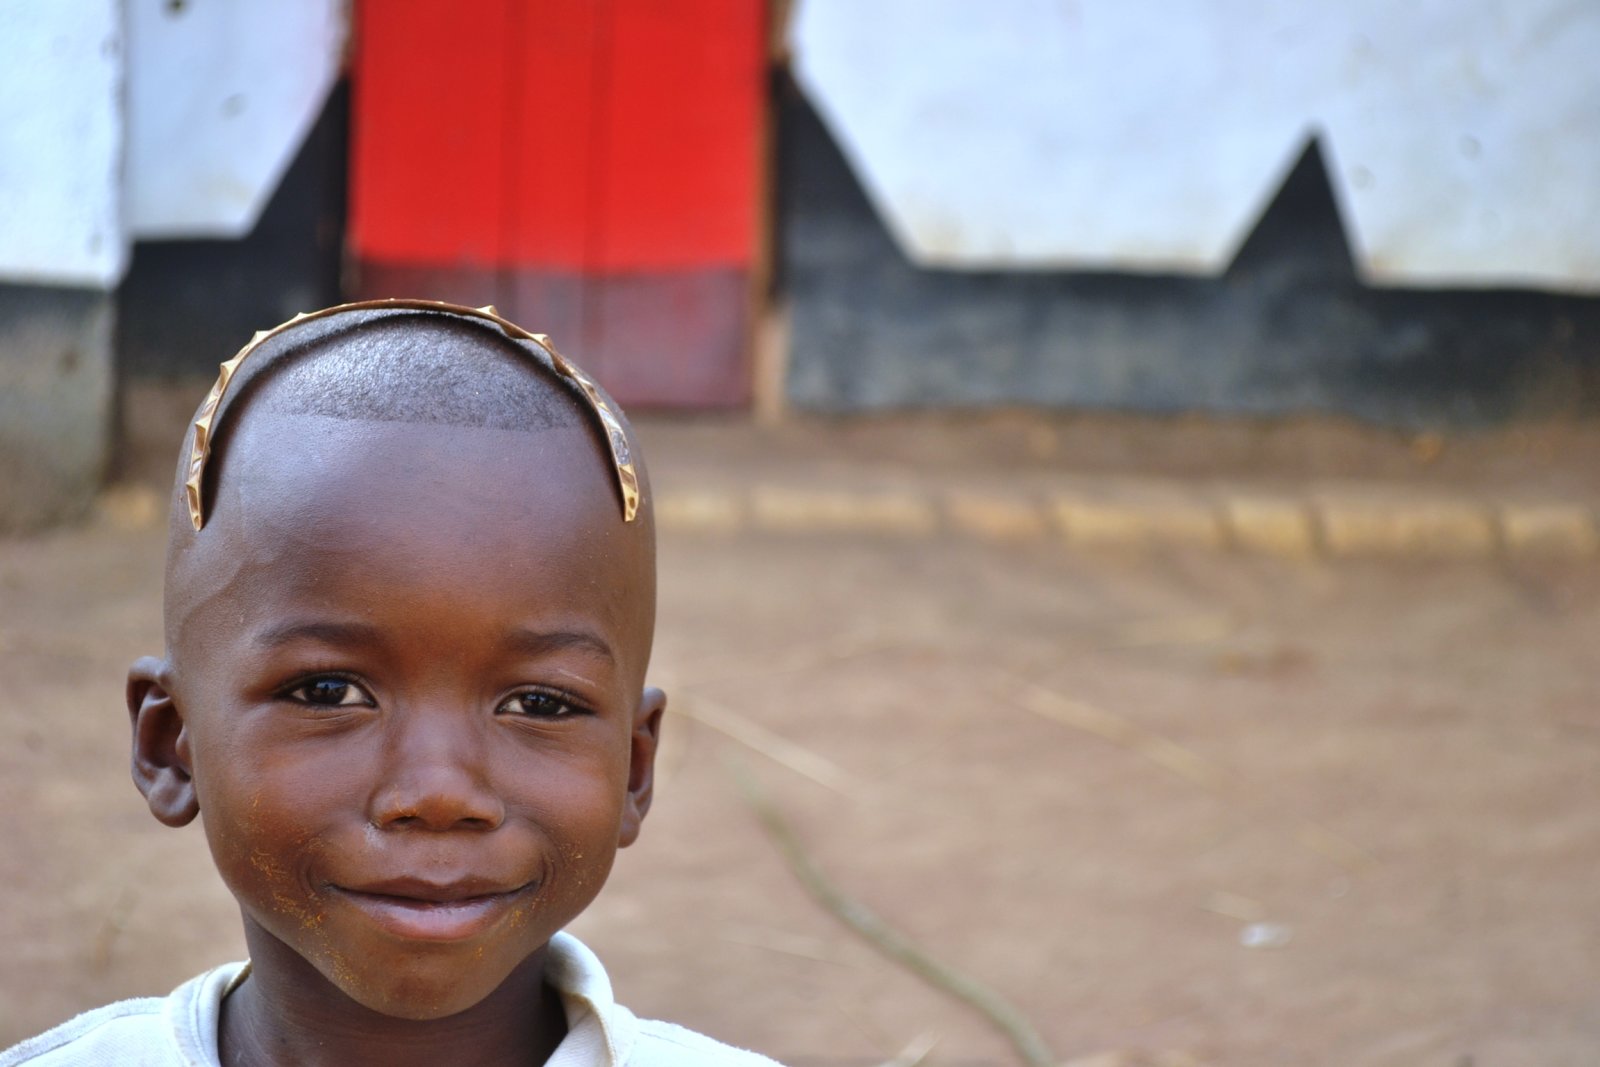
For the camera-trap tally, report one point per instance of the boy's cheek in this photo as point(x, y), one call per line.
point(249, 849)
point(264, 828)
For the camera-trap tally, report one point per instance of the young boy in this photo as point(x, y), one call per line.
point(410, 598)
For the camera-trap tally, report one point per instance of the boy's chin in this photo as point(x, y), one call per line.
point(422, 993)
point(418, 983)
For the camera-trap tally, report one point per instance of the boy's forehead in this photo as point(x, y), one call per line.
point(377, 493)
point(396, 521)
point(279, 461)
point(307, 476)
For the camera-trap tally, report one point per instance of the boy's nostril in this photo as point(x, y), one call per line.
point(464, 808)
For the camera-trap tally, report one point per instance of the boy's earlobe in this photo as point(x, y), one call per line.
point(642, 763)
point(161, 766)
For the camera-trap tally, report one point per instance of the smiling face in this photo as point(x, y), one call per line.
point(405, 692)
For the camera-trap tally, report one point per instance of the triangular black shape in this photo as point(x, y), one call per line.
point(1301, 227)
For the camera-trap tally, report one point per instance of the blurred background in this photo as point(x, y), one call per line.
point(1126, 476)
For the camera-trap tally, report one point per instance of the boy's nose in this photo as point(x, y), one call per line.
point(435, 775)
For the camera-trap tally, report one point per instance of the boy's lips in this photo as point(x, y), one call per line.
point(416, 910)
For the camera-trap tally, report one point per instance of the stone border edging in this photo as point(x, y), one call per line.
point(1348, 522)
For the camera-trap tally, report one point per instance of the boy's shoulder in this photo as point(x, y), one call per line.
point(144, 1032)
point(596, 1021)
point(112, 1034)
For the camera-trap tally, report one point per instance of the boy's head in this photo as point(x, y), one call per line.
point(404, 673)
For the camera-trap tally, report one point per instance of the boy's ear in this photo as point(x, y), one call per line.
point(642, 763)
point(161, 758)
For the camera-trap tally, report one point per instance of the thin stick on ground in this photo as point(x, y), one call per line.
point(775, 747)
point(898, 947)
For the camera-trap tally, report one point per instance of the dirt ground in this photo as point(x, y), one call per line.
point(1179, 809)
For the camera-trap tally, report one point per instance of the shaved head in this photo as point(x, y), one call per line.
point(374, 366)
point(409, 366)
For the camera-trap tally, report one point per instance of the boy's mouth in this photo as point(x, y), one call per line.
point(415, 910)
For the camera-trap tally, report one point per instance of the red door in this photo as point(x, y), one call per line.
point(590, 166)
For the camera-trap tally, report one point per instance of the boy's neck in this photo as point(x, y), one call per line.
point(287, 1012)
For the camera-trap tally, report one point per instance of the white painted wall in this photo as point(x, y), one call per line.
point(61, 142)
point(183, 127)
point(221, 94)
point(1148, 135)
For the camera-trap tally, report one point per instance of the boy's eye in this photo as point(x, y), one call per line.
point(539, 705)
point(332, 692)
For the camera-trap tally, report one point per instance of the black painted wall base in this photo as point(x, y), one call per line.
point(1288, 328)
point(186, 306)
point(55, 402)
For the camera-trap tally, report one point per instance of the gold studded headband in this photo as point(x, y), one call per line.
point(616, 438)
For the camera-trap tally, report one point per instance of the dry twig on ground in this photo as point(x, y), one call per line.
point(1001, 1013)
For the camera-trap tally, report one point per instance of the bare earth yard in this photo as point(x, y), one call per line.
point(1181, 809)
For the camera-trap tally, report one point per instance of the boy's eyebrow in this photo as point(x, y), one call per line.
point(332, 633)
point(522, 639)
point(537, 642)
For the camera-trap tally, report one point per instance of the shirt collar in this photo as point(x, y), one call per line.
point(599, 1030)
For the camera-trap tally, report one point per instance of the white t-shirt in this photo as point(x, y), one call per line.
point(180, 1030)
